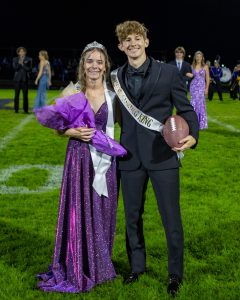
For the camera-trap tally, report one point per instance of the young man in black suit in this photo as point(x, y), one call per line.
point(22, 66)
point(184, 67)
point(148, 90)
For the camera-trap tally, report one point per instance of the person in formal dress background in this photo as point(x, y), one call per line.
point(43, 79)
point(154, 88)
point(87, 215)
point(215, 78)
point(199, 88)
point(22, 66)
point(183, 66)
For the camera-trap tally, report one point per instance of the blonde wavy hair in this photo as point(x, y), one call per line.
point(194, 63)
point(44, 53)
point(81, 75)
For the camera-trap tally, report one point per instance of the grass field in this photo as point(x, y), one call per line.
point(30, 172)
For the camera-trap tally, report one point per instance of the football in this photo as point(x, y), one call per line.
point(175, 129)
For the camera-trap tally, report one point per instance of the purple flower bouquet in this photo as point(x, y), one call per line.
point(75, 111)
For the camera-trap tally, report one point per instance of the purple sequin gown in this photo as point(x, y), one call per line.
point(86, 223)
point(198, 99)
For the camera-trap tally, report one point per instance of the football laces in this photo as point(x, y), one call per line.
point(173, 124)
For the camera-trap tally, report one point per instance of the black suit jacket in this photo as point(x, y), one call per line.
point(186, 68)
point(162, 90)
point(22, 71)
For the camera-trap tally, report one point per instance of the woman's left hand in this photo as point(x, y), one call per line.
point(36, 82)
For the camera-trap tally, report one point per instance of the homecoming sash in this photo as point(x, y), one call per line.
point(140, 117)
point(102, 161)
point(143, 119)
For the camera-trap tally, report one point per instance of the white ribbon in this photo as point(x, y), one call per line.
point(102, 161)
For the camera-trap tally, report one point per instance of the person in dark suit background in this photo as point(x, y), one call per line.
point(215, 73)
point(154, 88)
point(183, 66)
point(22, 66)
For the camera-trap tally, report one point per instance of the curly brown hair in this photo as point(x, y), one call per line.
point(130, 27)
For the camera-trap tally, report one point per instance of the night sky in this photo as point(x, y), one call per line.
point(210, 26)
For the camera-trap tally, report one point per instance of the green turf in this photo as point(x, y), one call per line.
point(209, 201)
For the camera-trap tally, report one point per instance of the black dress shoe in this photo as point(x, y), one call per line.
point(174, 283)
point(133, 277)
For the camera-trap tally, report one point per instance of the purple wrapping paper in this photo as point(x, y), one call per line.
point(75, 111)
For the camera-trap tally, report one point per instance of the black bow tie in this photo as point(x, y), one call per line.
point(135, 72)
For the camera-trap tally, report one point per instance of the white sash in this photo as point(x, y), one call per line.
point(143, 119)
point(102, 161)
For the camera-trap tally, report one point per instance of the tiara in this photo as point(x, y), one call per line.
point(93, 45)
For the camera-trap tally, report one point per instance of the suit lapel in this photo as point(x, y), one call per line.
point(147, 89)
point(183, 66)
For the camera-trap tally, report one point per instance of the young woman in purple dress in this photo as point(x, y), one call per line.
point(199, 88)
point(88, 201)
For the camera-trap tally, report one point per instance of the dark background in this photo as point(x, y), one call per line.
point(65, 28)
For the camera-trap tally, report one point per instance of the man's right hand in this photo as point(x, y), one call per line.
point(189, 75)
point(20, 61)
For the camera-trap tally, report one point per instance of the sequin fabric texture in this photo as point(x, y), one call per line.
point(198, 98)
point(86, 223)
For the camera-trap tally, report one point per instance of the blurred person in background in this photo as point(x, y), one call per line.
point(235, 82)
point(22, 66)
point(215, 75)
point(183, 66)
point(199, 88)
point(43, 79)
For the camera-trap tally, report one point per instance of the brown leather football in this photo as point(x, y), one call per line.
point(175, 129)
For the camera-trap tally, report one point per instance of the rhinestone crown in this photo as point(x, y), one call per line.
point(94, 45)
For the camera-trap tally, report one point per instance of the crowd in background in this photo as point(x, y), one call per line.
point(63, 69)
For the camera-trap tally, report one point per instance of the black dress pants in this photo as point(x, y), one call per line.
point(166, 188)
point(217, 86)
point(21, 85)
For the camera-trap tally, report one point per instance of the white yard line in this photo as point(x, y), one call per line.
point(221, 124)
point(13, 133)
point(53, 181)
